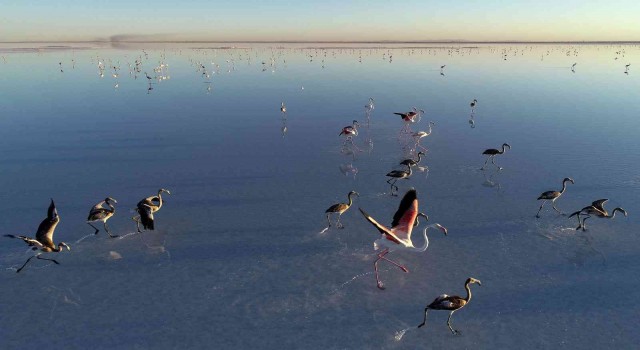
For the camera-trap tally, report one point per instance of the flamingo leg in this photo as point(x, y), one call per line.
point(426, 309)
point(25, 263)
point(381, 256)
point(137, 220)
point(543, 202)
point(106, 228)
point(485, 163)
point(375, 266)
point(493, 161)
point(39, 258)
point(584, 227)
point(449, 323)
point(329, 221)
point(90, 224)
point(554, 207)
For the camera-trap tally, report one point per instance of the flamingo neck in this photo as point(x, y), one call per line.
point(564, 187)
point(350, 200)
point(468, 298)
point(613, 213)
point(419, 157)
point(113, 209)
point(426, 242)
point(504, 148)
point(160, 200)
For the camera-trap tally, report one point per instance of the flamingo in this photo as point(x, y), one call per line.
point(597, 209)
point(44, 237)
point(283, 108)
point(98, 213)
point(452, 303)
point(410, 117)
point(420, 134)
point(492, 152)
point(411, 162)
point(350, 130)
point(395, 175)
point(146, 208)
point(399, 235)
point(473, 104)
point(553, 195)
point(340, 208)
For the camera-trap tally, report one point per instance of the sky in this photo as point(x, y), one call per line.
point(319, 20)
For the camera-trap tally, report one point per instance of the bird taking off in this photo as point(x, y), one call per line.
point(398, 237)
point(44, 237)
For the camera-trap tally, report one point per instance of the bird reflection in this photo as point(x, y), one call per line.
point(490, 181)
point(348, 170)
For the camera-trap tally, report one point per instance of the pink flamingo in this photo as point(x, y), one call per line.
point(399, 235)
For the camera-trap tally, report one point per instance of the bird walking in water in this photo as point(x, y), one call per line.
point(626, 68)
point(417, 136)
point(283, 109)
point(451, 303)
point(411, 162)
point(492, 153)
point(349, 132)
point(395, 175)
point(340, 208)
point(44, 237)
point(398, 237)
point(596, 209)
point(473, 105)
point(553, 195)
point(98, 213)
point(146, 208)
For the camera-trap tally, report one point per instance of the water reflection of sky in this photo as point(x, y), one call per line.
point(237, 182)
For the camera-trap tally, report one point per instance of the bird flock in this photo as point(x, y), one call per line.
point(396, 238)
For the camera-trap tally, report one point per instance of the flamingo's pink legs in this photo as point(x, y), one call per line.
point(375, 264)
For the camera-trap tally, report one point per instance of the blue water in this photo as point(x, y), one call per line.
point(240, 257)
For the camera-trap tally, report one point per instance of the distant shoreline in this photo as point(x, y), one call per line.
point(463, 42)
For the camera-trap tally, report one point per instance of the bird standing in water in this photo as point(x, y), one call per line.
point(451, 303)
point(98, 213)
point(340, 208)
point(398, 237)
point(44, 237)
point(553, 195)
point(492, 153)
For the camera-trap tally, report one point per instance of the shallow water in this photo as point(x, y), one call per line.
point(241, 258)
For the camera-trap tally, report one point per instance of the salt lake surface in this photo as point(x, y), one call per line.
point(240, 257)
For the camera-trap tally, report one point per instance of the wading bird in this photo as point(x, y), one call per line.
point(399, 235)
point(44, 236)
point(98, 213)
point(451, 303)
point(395, 175)
point(473, 104)
point(146, 208)
point(411, 162)
point(351, 130)
point(492, 153)
point(283, 108)
point(596, 209)
point(340, 208)
point(553, 195)
point(417, 136)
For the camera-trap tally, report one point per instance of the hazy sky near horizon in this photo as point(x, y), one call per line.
point(545, 20)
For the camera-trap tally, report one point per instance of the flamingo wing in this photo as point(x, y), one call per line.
point(383, 229)
point(405, 217)
point(599, 204)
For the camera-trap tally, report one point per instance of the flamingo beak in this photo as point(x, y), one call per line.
point(443, 229)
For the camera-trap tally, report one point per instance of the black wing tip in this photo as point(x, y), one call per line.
point(10, 236)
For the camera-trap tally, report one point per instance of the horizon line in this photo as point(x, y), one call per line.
point(339, 41)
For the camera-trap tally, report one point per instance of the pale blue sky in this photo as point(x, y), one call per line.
point(544, 20)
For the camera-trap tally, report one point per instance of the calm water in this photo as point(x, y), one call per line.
point(240, 257)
